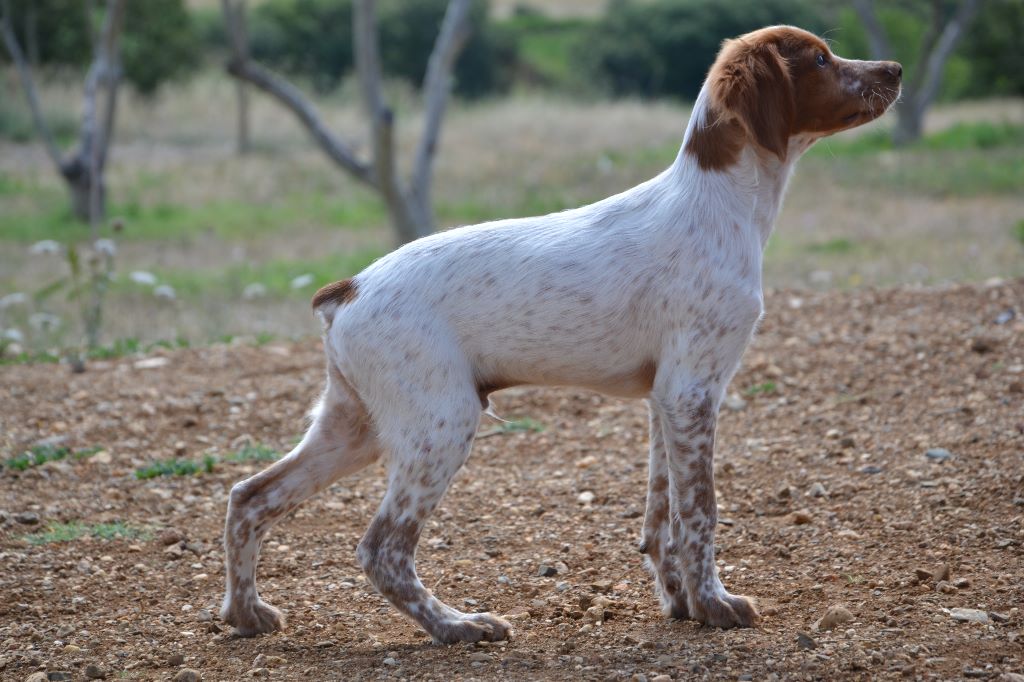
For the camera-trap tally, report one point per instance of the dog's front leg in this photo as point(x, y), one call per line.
point(688, 413)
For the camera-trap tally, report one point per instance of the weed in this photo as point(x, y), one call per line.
point(524, 424)
point(254, 453)
point(766, 388)
point(176, 467)
point(67, 532)
point(41, 454)
point(839, 245)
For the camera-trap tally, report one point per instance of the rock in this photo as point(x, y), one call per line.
point(175, 660)
point(586, 497)
point(968, 615)
point(174, 551)
point(36, 677)
point(94, 672)
point(938, 454)
point(546, 571)
point(999, 617)
point(944, 587)
point(661, 678)
point(480, 657)
point(1011, 677)
point(204, 616)
point(941, 573)
point(734, 402)
point(27, 518)
point(976, 673)
point(187, 675)
point(258, 672)
point(983, 344)
point(58, 676)
point(784, 492)
point(595, 614)
point(847, 442)
point(834, 616)
point(817, 490)
point(390, 661)
point(171, 536)
point(800, 518)
point(923, 574)
point(805, 641)
point(961, 583)
point(871, 469)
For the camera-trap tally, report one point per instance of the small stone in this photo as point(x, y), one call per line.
point(968, 615)
point(58, 676)
point(324, 644)
point(94, 672)
point(982, 344)
point(999, 617)
point(871, 469)
point(923, 574)
point(834, 616)
point(595, 614)
point(817, 490)
point(734, 402)
point(27, 518)
point(36, 677)
point(941, 573)
point(204, 616)
point(586, 497)
point(1011, 677)
point(175, 660)
point(847, 442)
point(805, 641)
point(174, 551)
point(800, 518)
point(976, 673)
point(661, 678)
point(171, 536)
point(390, 661)
point(258, 672)
point(961, 583)
point(784, 492)
point(480, 657)
point(547, 571)
point(188, 675)
point(944, 587)
point(938, 454)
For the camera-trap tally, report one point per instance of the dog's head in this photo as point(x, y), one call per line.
point(782, 81)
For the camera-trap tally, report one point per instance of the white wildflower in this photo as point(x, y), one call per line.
point(254, 290)
point(302, 281)
point(13, 334)
point(44, 322)
point(143, 277)
point(165, 291)
point(105, 246)
point(44, 247)
point(11, 300)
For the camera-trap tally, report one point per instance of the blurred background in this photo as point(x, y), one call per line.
point(160, 185)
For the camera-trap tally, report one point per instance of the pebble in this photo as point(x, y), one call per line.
point(204, 616)
point(871, 469)
point(171, 536)
point(938, 454)
point(94, 672)
point(58, 676)
point(661, 678)
point(174, 551)
point(817, 490)
point(586, 497)
point(968, 615)
point(36, 677)
point(390, 661)
point(258, 672)
point(480, 657)
point(734, 402)
point(835, 615)
point(175, 660)
point(805, 641)
point(546, 571)
point(800, 518)
point(27, 518)
point(188, 675)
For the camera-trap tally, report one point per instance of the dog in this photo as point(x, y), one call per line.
point(653, 293)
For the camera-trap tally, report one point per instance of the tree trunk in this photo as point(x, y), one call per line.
point(909, 123)
point(79, 181)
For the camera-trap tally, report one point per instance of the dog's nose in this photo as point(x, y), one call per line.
point(895, 69)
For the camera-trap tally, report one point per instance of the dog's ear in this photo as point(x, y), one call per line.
point(753, 84)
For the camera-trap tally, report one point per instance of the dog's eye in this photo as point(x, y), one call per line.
point(821, 60)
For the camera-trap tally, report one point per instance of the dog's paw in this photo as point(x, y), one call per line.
point(472, 628)
point(253, 619)
point(727, 611)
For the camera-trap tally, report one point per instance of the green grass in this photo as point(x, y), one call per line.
point(41, 454)
point(67, 532)
point(840, 245)
point(208, 463)
point(766, 388)
point(1018, 231)
point(275, 275)
point(49, 216)
point(518, 425)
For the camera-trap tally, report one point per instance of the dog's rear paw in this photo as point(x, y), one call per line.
point(255, 619)
point(476, 627)
point(727, 611)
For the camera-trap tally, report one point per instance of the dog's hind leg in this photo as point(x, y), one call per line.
point(339, 442)
point(428, 432)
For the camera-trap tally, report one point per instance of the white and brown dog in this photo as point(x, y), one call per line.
point(653, 293)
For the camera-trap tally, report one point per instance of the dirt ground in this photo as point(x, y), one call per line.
point(827, 498)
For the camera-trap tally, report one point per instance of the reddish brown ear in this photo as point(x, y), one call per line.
point(752, 82)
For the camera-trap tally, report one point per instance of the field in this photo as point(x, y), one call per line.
point(870, 458)
point(231, 234)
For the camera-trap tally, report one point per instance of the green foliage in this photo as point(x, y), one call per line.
point(67, 532)
point(518, 425)
point(158, 42)
point(766, 388)
point(664, 47)
point(993, 51)
point(254, 453)
point(544, 48)
point(207, 464)
point(41, 454)
point(838, 245)
point(1018, 231)
point(313, 38)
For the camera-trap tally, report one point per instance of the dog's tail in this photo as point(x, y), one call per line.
point(329, 298)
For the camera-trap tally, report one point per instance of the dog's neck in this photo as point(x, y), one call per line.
point(718, 167)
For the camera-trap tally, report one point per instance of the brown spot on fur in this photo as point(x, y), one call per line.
point(340, 293)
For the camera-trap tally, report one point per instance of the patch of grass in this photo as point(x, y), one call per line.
point(30, 358)
point(66, 532)
point(48, 216)
point(546, 46)
point(275, 275)
point(839, 245)
point(177, 467)
point(960, 137)
point(41, 454)
point(518, 425)
point(1018, 231)
point(766, 388)
point(254, 453)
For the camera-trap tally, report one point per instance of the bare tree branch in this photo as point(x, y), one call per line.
point(454, 33)
point(877, 40)
point(29, 85)
point(238, 33)
point(928, 83)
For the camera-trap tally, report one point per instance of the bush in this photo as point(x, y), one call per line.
point(158, 42)
point(313, 38)
point(665, 47)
